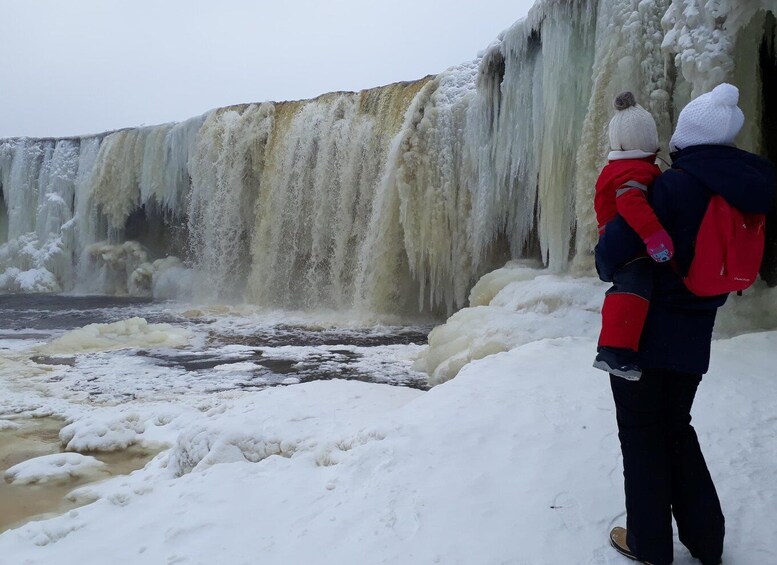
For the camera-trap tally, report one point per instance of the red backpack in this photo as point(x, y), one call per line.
point(729, 250)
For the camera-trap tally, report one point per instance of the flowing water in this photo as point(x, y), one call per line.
point(228, 351)
point(38, 437)
point(265, 348)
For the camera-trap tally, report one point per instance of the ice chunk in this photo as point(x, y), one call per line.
point(55, 467)
point(9, 425)
point(134, 332)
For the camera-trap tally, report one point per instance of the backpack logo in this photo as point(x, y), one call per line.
point(729, 250)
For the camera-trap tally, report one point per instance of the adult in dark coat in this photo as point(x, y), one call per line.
point(664, 470)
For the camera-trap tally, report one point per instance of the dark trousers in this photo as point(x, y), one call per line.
point(664, 469)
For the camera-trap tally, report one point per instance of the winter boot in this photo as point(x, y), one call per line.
point(618, 362)
point(618, 541)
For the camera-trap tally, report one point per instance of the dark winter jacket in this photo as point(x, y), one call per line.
point(678, 330)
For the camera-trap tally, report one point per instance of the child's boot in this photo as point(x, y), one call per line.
point(619, 362)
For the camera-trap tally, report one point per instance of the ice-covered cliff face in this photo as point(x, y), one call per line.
point(393, 199)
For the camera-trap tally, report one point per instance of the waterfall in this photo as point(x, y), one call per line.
point(226, 168)
point(325, 159)
point(389, 200)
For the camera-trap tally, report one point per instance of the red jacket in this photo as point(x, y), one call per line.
point(622, 189)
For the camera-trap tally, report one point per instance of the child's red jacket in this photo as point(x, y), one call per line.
point(622, 189)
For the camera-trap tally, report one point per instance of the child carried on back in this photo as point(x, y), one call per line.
point(621, 191)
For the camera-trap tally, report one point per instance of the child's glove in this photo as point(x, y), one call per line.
point(660, 246)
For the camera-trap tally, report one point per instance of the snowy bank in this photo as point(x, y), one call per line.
point(514, 461)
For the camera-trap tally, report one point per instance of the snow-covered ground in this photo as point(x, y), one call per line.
point(513, 461)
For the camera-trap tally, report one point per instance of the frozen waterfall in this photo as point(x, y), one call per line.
point(394, 199)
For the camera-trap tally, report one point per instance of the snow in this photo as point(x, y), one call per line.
point(329, 418)
point(55, 467)
point(704, 33)
point(118, 428)
point(290, 381)
point(515, 460)
point(31, 280)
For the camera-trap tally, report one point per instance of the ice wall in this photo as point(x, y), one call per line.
point(38, 180)
point(395, 199)
point(69, 204)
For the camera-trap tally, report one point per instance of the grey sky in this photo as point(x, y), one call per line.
point(83, 66)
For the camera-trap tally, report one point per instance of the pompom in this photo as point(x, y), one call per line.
point(726, 94)
point(625, 100)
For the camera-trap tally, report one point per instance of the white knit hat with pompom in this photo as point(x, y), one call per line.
point(711, 119)
point(632, 127)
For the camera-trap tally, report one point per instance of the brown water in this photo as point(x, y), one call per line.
point(40, 436)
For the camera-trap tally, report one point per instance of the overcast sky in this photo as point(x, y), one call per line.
point(83, 66)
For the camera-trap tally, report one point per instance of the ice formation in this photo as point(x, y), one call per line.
point(54, 467)
point(392, 199)
point(511, 307)
point(134, 332)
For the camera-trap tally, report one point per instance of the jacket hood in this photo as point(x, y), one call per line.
point(747, 181)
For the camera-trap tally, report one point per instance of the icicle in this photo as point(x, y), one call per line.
point(88, 220)
point(153, 167)
point(114, 184)
point(180, 143)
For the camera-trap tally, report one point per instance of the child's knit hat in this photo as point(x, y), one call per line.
point(632, 127)
point(711, 119)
